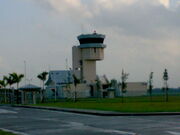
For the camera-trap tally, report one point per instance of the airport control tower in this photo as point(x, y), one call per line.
point(84, 56)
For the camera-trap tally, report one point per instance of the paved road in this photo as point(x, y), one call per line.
point(26, 121)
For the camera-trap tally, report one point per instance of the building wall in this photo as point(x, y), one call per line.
point(67, 91)
point(82, 91)
point(50, 92)
point(92, 53)
point(89, 71)
point(76, 57)
point(136, 89)
point(84, 62)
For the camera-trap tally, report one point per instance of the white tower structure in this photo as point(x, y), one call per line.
point(85, 55)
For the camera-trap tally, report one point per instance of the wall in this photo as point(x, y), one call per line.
point(76, 57)
point(89, 71)
point(136, 89)
point(92, 53)
point(82, 90)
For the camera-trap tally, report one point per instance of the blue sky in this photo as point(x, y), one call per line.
point(141, 36)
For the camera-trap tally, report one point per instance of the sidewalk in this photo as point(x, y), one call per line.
point(97, 112)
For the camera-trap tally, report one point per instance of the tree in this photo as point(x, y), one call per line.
point(76, 82)
point(98, 86)
point(115, 85)
point(150, 85)
point(17, 79)
point(166, 78)
point(124, 77)
point(42, 76)
point(3, 84)
point(10, 81)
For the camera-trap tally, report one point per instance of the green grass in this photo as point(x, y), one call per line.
point(131, 104)
point(5, 133)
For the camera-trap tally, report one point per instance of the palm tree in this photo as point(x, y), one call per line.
point(42, 76)
point(17, 79)
point(3, 84)
point(10, 81)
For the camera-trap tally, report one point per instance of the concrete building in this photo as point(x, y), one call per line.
point(136, 88)
point(85, 55)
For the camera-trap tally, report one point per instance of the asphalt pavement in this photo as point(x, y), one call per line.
point(29, 121)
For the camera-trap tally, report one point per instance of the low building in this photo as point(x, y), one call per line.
point(136, 88)
point(60, 85)
point(29, 93)
point(56, 80)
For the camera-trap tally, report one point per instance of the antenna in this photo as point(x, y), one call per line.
point(82, 28)
point(49, 67)
point(25, 72)
point(66, 63)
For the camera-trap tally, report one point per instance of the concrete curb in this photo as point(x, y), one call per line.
point(98, 113)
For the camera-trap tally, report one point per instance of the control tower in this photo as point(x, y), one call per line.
point(85, 55)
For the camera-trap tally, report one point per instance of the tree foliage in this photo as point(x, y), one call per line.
point(124, 77)
point(42, 76)
point(76, 80)
point(16, 78)
point(165, 87)
point(150, 84)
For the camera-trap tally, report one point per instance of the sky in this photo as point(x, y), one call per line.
point(142, 36)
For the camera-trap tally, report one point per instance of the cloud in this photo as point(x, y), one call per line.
point(82, 9)
point(165, 2)
point(1, 61)
point(142, 33)
point(141, 19)
point(71, 7)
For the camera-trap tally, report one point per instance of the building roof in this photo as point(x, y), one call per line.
point(94, 35)
point(30, 87)
point(58, 77)
point(93, 40)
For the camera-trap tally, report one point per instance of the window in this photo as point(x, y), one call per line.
point(94, 50)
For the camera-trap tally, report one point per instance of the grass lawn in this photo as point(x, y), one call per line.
point(5, 133)
point(131, 104)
